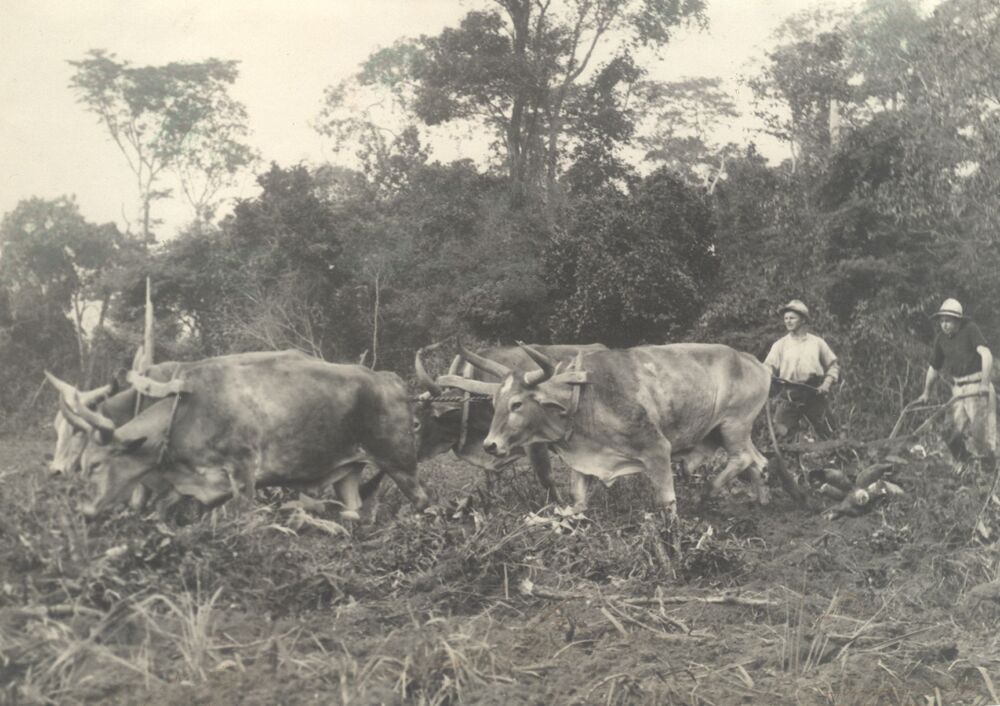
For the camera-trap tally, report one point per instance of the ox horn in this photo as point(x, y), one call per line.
point(97, 395)
point(422, 375)
point(456, 364)
point(476, 387)
point(76, 412)
point(485, 364)
point(547, 365)
point(72, 418)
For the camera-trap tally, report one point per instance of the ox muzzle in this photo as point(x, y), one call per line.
point(496, 446)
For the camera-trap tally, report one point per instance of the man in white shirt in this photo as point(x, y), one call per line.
point(806, 359)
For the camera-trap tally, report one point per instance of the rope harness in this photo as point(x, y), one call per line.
point(452, 398)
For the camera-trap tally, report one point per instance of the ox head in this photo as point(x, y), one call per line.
point(115, 458)
point(438, 424)
point(71, 441)
point(528, 407)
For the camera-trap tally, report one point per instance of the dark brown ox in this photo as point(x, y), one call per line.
point(234, 423)
point(619, 412)
point(462, 426)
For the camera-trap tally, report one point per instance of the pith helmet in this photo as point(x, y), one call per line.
point(796, 306)
point(950, 307)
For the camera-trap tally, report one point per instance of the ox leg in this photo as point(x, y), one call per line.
point(579, 484)
point(166, 503)
point(348, 491)
point(538, 456)
point(742, 456)
point(661, 474)
point(411, 487)
point(369, 496)
point(140, 496)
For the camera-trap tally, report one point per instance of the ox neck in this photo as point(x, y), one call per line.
point(576, 378)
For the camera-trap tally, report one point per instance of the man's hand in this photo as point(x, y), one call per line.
point(924, 397)
point(824, 389)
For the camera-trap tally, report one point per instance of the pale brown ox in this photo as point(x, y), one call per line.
point(619, 412)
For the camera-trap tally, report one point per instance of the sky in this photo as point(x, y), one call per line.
point(289, 52)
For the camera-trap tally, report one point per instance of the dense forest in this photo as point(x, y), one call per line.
point(609, 209)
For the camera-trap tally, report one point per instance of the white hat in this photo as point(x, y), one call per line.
point(796, 306)
point(950, 307)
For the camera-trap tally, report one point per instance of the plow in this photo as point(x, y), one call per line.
point(855, 495)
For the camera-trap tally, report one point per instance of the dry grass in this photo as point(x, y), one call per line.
point(262, 606)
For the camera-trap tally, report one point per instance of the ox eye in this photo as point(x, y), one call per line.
point(516, 405)
point(416, 425)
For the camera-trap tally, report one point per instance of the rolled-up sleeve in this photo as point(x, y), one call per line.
point(773, 359)
point(831, 366)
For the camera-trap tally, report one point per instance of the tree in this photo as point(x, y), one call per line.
point(179, 116)
point(273, 275)
point(688, 115)
point(56, 267)
point(802, 82)
point(527, 72)
point(634, 268)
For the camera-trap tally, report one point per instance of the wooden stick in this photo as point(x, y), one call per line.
point(834, 444)
point(531, 589)
point(899, 422)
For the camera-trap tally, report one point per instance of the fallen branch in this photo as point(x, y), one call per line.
point(663, 634)
point(64, 610)
point(529, 588)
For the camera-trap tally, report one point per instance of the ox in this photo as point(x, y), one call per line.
point(115, 404)
point(617, 412)
point(228, 425)
point(462, 426)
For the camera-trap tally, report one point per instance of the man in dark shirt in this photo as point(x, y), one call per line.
point(962, 356)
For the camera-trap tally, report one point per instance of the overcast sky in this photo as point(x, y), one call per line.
point(289, 51)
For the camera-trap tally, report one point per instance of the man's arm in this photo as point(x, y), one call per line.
point(831, 367)
point(932, 375)
point(987, 357)
point(773, 359)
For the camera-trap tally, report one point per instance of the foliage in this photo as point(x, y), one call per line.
point(530, 75)
point(634, 268)
point(179, 116)
point(687, 116)
point(57, 274)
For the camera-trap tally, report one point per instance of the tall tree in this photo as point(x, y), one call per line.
point(178, 116)
point(531, 73)
point(802, 82)
point(687, 116)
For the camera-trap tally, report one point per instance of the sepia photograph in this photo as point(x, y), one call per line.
point(550, 352)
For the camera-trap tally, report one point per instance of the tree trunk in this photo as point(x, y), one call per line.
point(375, 313)
point(88, 378)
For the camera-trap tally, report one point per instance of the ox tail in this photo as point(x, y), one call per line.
point(787, 479)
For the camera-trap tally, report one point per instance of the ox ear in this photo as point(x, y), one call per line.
point(552, 405)
point(152, 388)
point(131, 445)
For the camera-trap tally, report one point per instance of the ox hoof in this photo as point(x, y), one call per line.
point(763, 496)
point(350, 515)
